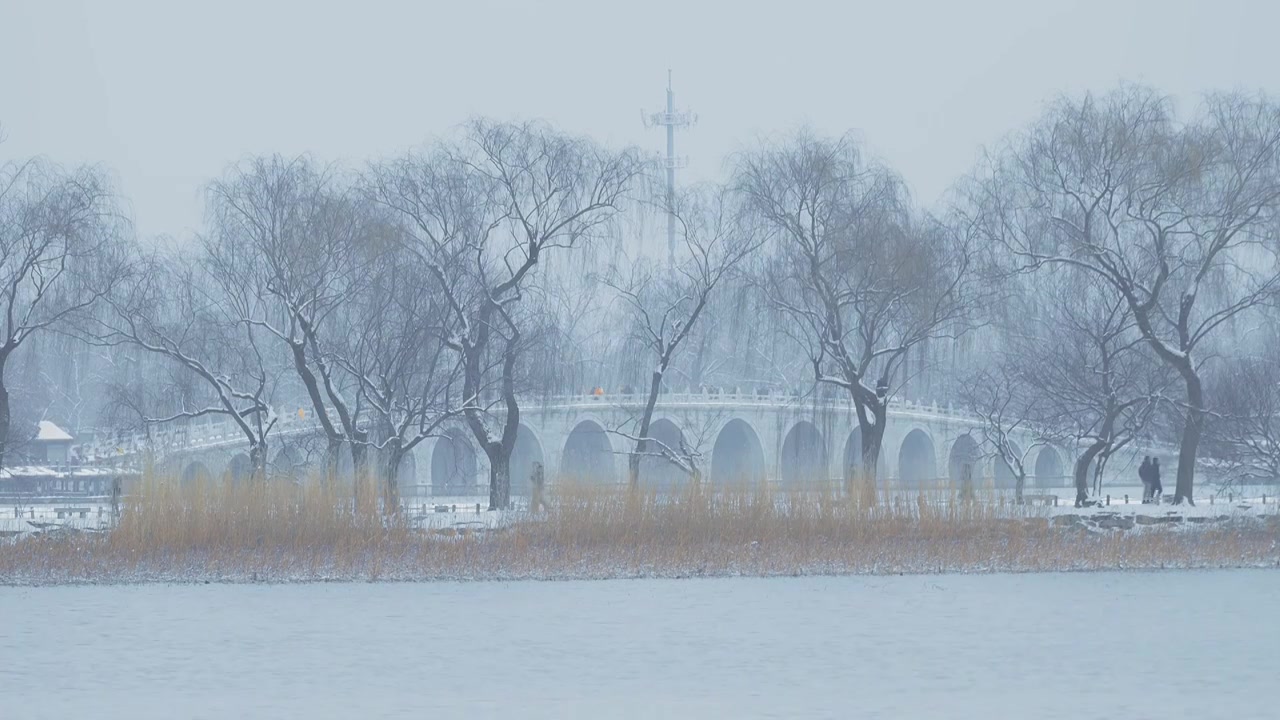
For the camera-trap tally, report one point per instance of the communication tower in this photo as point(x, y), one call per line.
point(671, 119)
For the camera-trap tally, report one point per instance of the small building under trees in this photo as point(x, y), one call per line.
point(50, 470)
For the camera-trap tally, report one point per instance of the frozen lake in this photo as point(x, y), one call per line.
point(1167, 645)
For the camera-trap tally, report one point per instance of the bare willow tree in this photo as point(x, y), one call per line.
point(291, 243)
point(1177, 220)
point(1074, 369)
point(685, 454)
point(864, 280)
point(1244, 424)
point(141, 387)
point(61, 251)
point(1007, 408)
point(481, 215)
point(396, 351)
point(570, 342)
point(666, 301)
point(1087, 359)
point(180, 308)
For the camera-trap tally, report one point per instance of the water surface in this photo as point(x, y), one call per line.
point(1137, 645)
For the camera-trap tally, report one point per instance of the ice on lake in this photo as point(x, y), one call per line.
point(1138, 645)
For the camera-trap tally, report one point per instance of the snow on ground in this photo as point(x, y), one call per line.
point(437, 513)
point(460, 513)
point(1191, 644)
point(457, 513)
point(1253, 501)
point(28, 518)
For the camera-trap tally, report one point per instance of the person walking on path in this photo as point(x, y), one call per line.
point(1144, 473)
point(1156, 488)
point(537, 482)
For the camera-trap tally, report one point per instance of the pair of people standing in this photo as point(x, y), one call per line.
point(1150, 474)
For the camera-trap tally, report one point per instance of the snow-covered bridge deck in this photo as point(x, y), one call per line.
point(788, 439)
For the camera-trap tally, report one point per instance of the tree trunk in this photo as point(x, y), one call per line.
point(872, 431)
point(633, 466)
point(699, 361)
point(391, 475)
point(258, 461)
point(4, 418)
point(360, 469)
point(865, 486)
point(360, 455)
point(312, 386)
point(633, 463)
point(1097, 474)
point(499, 477)
point(498, 451)
point(1191, 431)
point(332, 456)
point(1082, 471)
point(1020, 482)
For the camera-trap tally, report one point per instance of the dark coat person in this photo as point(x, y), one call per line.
point(1144, 474)
point(1156, 488)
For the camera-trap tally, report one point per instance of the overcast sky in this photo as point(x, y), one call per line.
point(167, 94)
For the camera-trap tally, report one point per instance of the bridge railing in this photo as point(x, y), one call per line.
point(734, 396)
point(220, 432)
point(185, 437)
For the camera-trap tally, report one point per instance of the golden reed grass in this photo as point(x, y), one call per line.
point(280, 531)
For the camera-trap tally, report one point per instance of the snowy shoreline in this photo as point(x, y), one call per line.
point(1092, 540)
point(184, 580)
point(190, 580)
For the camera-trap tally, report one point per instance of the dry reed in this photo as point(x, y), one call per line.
point(280, 531)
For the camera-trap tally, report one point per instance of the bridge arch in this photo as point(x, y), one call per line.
point(527, 451)
point(453, 464)
point(239, 469)
point(853, 456)
point(1003, 475)
point(1049, 467)
point(964, 464)
point(588, 454)
point(172, 467)
point(346, 467)
point(287, 465)
point(196, 472)
point(917, 460)
point(804, 455)
point(407, 474)
point(658, 472)
point(737, 455)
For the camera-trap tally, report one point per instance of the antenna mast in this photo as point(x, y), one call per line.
point(671, 119)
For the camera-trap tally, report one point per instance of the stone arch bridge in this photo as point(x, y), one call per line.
point(737, 437)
